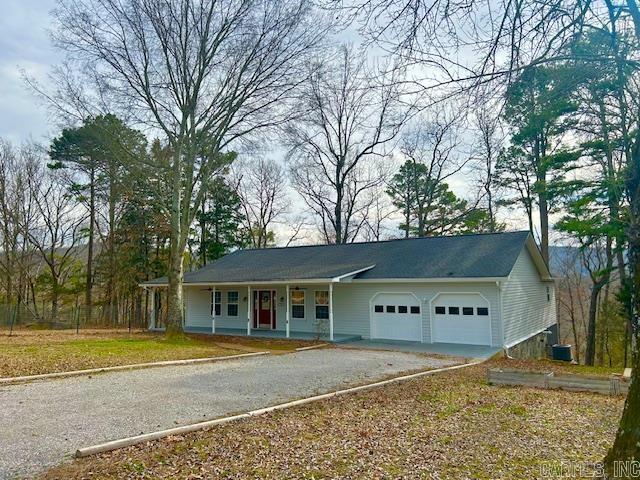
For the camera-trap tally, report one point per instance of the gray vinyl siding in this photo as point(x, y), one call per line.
point(525, 306)
point(198, 301)
point(351, 305)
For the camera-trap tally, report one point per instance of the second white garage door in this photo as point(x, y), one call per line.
point(396, 316)
point(460, 318)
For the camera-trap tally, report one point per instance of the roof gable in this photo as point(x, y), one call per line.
point(538, 260)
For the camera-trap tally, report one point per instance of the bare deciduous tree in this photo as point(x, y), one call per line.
point(261, 186)
point(204, 74)
point(18, 165)
point(349, 121)
point(573, 295)
point(490, 140)
point(56, 231)
point(377, 215)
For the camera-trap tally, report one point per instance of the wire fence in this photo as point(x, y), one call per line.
point(13, 317)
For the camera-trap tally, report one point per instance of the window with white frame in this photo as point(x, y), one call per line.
point(232, 304)
point(297, 304)
point(216, 303)
point(322, 304)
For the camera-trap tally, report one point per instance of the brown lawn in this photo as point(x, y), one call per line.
point(31, 352)
point(449, 426)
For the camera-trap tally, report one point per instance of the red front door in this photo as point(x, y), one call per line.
point(264, 309)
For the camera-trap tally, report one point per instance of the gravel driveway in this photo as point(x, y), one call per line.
point(43, 422)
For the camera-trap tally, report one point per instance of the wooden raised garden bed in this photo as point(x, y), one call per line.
point(611, 385)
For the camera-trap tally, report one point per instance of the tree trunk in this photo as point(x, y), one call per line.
point(590, 353)
point(490, 212)
point(174, 294)
point(88, 300)
point(203, 233)
point(338, 214)
point(603, 331)
point(576, 341)
point(113, 309)
point(55, 299)
point(627, 443)
point(544, 227)
point(626, 446)
point(176, 257)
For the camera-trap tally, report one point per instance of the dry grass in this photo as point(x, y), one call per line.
point(31, 352)
point(26, 336)
point(555, 366)
point(449, 426)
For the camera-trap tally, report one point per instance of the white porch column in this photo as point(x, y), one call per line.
point(331, 312)
point(152, 317)
point(288, 313)
point(249, 308)
point(213, 309)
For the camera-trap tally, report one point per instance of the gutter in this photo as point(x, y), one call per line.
point(345, 278)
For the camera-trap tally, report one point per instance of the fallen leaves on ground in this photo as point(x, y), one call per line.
point(448, 426)
point(33, 352)
point(37, 352)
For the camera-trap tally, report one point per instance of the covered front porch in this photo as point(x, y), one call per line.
point(302, 310)
point(293, 335)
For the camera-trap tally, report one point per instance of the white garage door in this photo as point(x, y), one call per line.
point(461, 318)
point(396, 316)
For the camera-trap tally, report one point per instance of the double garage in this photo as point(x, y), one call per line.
point(455, 318)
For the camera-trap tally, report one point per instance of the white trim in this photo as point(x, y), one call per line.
point(330, 311)
point(213, 308)
point(273, 315)
point(273, 300)
point(429, 280)
point(500, 286)
point(212, 311)
point(237, 303)
point(351, 274)
point(304, 305)
point(288, 314)
point(304, 281)
point(249, 309)
point(431, 311)
point(152, 316)
point(319, 304)
point(371, 312)
point(339, 278)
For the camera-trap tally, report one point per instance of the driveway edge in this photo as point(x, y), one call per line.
point(129, 441)
point(134, 366)
point(312, 347)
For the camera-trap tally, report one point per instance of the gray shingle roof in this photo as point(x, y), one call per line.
point(464, 256)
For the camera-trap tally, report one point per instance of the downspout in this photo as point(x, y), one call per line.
point(500, 306)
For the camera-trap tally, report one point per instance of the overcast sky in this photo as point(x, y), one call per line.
point(24, 46)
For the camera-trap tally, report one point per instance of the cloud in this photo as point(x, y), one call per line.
point(24, 46)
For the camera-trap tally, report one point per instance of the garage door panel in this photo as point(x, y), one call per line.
point(461, 318)
point(469, 330)
point(396, 316)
